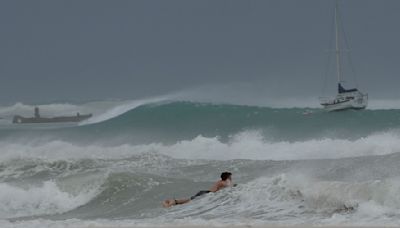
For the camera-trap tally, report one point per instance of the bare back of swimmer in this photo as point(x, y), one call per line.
point(226, 181)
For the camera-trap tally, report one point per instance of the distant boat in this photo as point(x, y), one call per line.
point(346, 98)
point(59, 119)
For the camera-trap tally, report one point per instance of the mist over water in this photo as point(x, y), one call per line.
point(180, 91)
point(294, 165)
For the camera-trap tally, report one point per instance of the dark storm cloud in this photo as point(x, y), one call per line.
point(85, 50)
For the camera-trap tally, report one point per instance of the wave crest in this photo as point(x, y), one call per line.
point(38, 200)
point(245, 145)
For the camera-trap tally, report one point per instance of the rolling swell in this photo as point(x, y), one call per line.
point(171, 122)
point(175, 121)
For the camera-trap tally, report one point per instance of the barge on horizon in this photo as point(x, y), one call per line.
point(58, 119)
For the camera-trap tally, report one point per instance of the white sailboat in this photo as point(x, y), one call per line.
point(346, 98)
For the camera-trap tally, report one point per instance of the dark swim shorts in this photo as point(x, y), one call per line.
point(199, 194)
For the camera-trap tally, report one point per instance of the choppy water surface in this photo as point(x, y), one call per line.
point(292, 165)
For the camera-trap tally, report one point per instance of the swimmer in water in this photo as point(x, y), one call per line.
point(226, 181)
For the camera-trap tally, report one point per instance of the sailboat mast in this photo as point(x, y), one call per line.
point(337, 42)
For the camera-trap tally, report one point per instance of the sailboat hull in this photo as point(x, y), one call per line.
point(343, 106)
point(345, 101)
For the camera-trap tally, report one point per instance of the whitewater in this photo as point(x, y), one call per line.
point(293, 165)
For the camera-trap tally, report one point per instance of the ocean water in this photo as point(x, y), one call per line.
point(292, 165)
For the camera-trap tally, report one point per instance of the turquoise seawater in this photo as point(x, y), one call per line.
point(292, 165)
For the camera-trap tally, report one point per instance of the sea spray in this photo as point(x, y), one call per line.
point(46, 198)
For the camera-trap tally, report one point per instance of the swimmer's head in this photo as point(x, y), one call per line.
point(226, 175)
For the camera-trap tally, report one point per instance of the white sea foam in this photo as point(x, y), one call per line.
point(245, 145)
point(284, 199)
point(251, 145)
point(47, 198)
point(295, 199)
point(126, 223)
point(372, 202)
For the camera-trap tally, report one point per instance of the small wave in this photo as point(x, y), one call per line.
point(367, 202)
point(252, 145)
point(325, 195)
point(37, 200)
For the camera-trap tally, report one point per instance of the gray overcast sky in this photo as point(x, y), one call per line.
point(93, 50)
